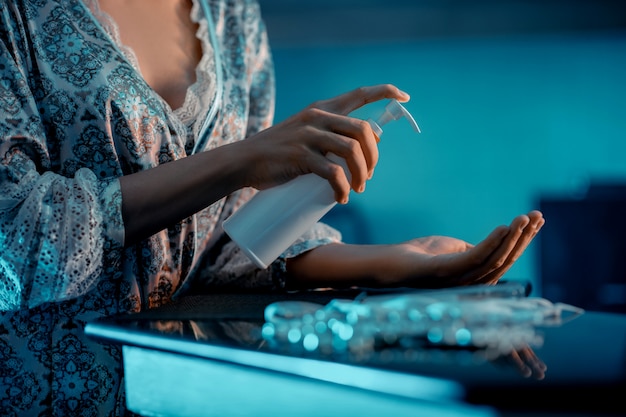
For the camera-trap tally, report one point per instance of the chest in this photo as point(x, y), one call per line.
point(163, 38)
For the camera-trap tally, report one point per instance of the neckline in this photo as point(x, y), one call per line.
point(190, 102)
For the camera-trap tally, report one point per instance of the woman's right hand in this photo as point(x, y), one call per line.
point(299, 145)
point(294, 147)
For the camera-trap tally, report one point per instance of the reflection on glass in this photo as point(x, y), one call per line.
point(398, 351)
point(469, 324)
point(456, 327)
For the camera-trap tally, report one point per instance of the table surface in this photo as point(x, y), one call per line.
point(585, 357)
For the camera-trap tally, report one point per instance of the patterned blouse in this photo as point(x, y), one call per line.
point(75, 115)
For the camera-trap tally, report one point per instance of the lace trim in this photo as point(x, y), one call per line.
point(199, 95)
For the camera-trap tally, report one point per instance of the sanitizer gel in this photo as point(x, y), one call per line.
point(276, 217)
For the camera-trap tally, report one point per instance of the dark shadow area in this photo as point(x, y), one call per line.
point(365, 21)
point(582, 249)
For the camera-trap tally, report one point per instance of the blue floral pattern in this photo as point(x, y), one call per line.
point(75, 115)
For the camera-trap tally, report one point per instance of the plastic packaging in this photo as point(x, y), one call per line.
point(275, 218)
point(492, 320)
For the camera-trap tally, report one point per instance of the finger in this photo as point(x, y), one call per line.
point(530, 231)
point(522, 238)
point(359, 97)
point(535, 222)
point(496, 264)
point(519, 363)
point(334, 174)
point(532, 361)
point(347, 137)
point(502, 259)
point(358, 146)
point(471, 264)
point(489, 255)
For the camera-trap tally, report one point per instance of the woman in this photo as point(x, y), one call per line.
point(121, 128)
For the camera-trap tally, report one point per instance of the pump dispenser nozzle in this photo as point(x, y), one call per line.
point(393, 111)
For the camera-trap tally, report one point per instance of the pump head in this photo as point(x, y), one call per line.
point(393, 111)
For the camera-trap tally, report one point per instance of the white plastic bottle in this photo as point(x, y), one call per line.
point(276, 217)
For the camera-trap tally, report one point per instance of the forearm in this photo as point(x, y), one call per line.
point(157, 198)
point(344, 265)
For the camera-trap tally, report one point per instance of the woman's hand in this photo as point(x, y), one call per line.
point(294, 147)
point(446, 261)
point(525, 361)
point(299, 144)
point(428, 262)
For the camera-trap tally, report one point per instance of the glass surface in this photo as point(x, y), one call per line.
point(575, 360)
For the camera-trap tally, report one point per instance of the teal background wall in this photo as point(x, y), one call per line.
point(507, 117)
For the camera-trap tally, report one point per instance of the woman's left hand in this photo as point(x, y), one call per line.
point(427, 262)
point(455, 262)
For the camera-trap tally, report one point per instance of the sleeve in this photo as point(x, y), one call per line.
point(53, 229)
point(227, 266)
